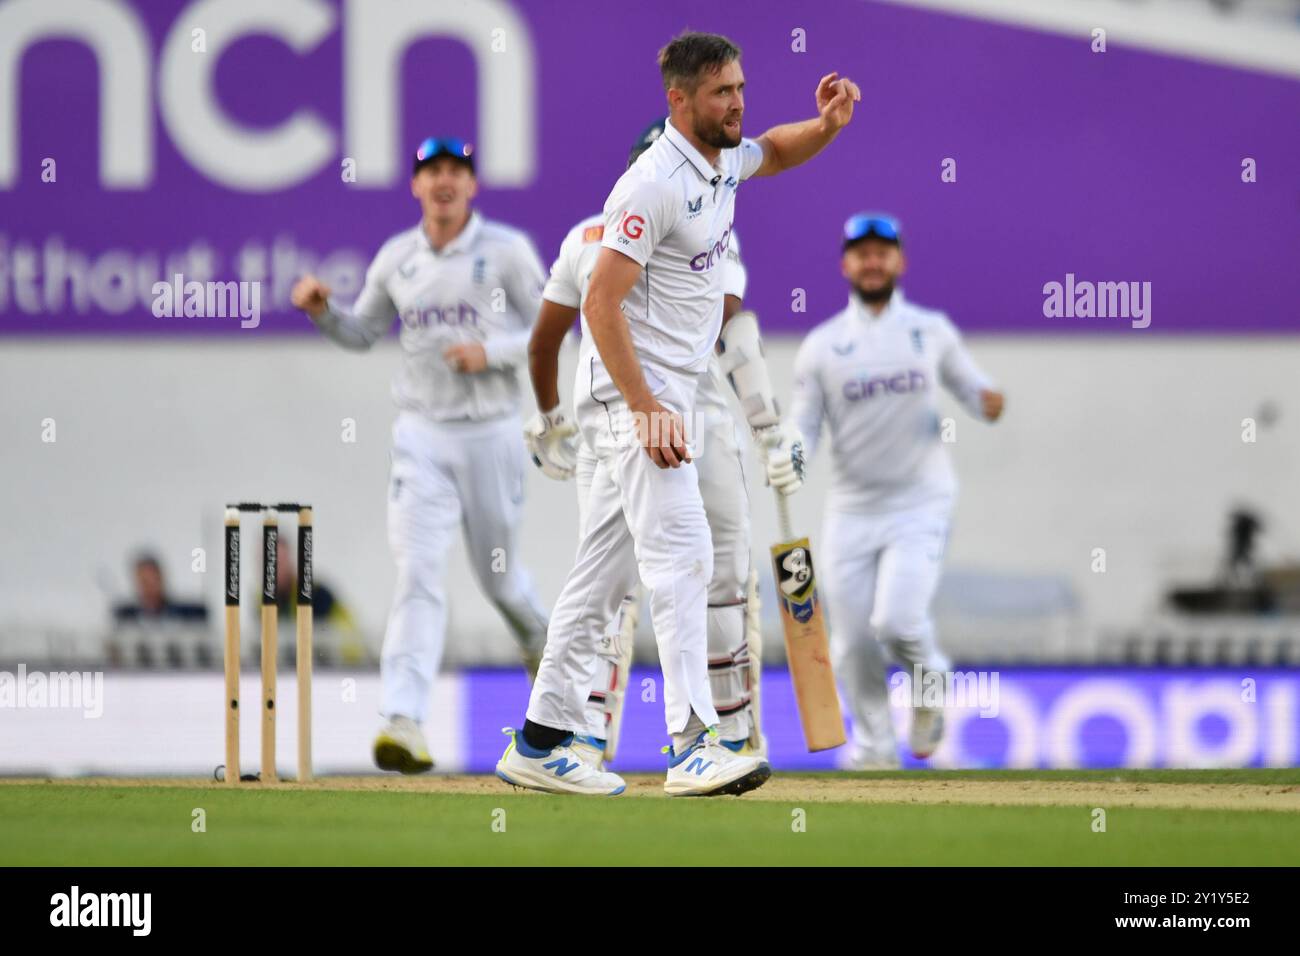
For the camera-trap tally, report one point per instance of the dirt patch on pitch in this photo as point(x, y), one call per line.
point(1216, 796)
point(803, 789)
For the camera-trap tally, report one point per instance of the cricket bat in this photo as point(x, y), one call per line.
point(806, 647)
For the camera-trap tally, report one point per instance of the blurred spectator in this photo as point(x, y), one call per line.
point(152, 603)
point(155, 629)
point(1244, 527)
point(327, 610)
point(1240, 588)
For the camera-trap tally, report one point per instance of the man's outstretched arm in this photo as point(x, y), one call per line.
point(790, 144)
point(357, 328)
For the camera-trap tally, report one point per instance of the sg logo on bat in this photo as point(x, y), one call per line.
point(796, 582)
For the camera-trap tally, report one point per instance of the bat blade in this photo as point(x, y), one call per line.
point(806, 645)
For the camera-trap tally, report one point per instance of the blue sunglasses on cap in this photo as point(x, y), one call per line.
point(872, 225)
point(436, 146)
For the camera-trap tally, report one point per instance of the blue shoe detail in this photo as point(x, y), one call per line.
point(616, 792)
point(698, 766)
point(561, 766)
point(590, 741)
point(735, 746)
point(674, 758)
point(530, 751)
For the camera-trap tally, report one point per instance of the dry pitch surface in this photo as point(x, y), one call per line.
point(821, 788)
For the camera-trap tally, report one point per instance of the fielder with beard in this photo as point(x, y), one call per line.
point(870, 374)
point(732, 672)
point(654, 309)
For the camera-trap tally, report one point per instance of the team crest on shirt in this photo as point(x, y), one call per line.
point(693, 208)
point(480, 269)
point(844, 349)
point(917, 344)
point(407, 269)
point(593, 233)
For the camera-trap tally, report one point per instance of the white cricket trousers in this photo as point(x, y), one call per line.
point(448, 478)
point(878, 573)
point(719, 459)
point(640, 520)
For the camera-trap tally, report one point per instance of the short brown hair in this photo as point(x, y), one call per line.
point(689, 54)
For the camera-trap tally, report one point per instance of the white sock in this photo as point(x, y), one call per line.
point(682, 742)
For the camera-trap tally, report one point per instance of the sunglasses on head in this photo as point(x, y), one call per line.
point(436, 146)
point(865, 224)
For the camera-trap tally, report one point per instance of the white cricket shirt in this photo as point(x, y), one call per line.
point(484, 286)
point(873, 381)
point(571, 273)
point(672, 214)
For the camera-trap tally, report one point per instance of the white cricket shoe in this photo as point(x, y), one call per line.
point(746, 747)
point(927, 731)
point(708, 768)
point(560, 770)
point(400, 746)
point(590, 749)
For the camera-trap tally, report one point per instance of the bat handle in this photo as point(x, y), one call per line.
point(783, 516)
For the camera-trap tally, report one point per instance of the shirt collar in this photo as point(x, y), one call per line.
point(710, 173)
point(463, 241)
point(859, 310)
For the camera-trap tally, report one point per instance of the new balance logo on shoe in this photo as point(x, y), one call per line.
point(698, 765)
point(560, 765)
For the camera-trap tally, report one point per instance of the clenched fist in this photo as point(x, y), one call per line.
point(992, 403)
point(467, 357)
point(783, 456)
point(835, 98)
point(310, 294)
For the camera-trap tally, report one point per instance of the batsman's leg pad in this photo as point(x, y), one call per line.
point(729, 671)
point(608, 690)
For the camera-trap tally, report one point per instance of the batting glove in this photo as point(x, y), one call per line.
point(782, 446)
point(551, 441)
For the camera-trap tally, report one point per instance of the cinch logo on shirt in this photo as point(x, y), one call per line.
point(707, 259)
point(460, 314)
point(632, 225)
point(912, 380)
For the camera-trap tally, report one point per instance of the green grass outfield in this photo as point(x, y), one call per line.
point(1167, 818)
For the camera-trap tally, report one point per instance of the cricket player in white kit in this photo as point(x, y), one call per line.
point(870, 373)
point(721, 478)
point(654, 310)
point(467, 291)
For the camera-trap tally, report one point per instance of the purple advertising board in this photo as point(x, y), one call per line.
point(1011, 717)
point(242, 141)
